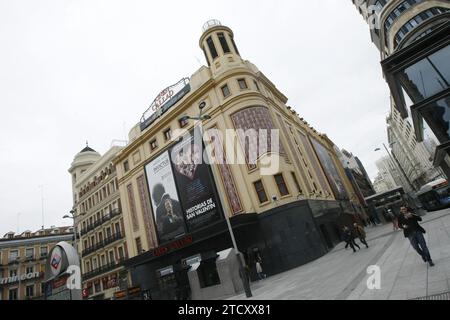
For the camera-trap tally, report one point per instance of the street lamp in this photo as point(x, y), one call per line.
point(245, 281)
point(72, 216)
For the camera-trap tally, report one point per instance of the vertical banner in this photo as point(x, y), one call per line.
point(195, 184)
point(166, 206)
point(330, 170)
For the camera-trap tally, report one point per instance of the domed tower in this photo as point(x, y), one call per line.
point(82, 162)
point(217, 43)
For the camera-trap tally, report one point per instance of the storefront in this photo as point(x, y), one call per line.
point(283, 238)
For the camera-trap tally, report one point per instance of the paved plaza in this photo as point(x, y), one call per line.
point(342, 274)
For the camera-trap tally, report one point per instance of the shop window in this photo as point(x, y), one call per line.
point(207, 274)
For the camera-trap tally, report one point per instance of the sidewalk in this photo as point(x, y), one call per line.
point(341, 274)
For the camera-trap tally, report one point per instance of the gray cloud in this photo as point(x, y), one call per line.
point(79, 70)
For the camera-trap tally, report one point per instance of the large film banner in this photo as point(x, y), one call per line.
point(195, 184)
point(167, 210)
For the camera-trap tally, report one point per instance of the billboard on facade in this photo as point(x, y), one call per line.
point(194, 180)
point(330, 170)
point(166, 205)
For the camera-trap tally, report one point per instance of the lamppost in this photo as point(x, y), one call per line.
point(244, 276)
point(397, 165)
point(72, 216)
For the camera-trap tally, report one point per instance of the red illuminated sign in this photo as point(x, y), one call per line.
point(179, 244)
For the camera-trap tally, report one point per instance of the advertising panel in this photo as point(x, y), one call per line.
point(166, 206)
point(196, 185)
point(330, 170)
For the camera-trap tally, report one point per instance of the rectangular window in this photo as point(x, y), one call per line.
point(223, 43)
point(225, 91)
point(13, 255)
point(206, 56)
point(234, 46)
point(256, 85)
point(242, 84)
point(13, 294)
point(126, 166)
point(29, 270)
point(259, 187)
point(120, 250)
point(153, 145)
point(29, 253)
point(30, 291)
point(183, 122)
point(98, 287)
point(212, 48)
point(138, 246)
point(111, 257)
point(168, 134)
point(297, 185)
point(282, 187)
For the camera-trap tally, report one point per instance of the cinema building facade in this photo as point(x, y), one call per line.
point(175, 209)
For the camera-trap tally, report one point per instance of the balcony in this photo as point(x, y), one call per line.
point(114, 213)
point(103, 243)
point(29, 258)
point(103, 269)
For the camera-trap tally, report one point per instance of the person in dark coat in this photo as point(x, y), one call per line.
point(360, 233)
point(409, 222)
point(349, 239)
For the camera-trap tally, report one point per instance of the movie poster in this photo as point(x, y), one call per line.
point(166, 205)
point(195, 183)
point(330, 170)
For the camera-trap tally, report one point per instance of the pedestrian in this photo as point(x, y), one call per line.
point(349, 239)
point(361, 234)
point(259, 270)
point(392, 216)
point(409, 222)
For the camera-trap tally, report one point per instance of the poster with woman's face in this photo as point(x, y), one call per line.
point(166, 206)
point(194, 180)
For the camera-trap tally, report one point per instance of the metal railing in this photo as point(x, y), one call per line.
point(114, 213)
point(103, 269)
point(101, 244)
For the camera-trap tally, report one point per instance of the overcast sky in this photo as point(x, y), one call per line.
point(72, 71)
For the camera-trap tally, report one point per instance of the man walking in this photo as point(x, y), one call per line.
point(412, 230)
point(349, 239)
point(361, 234)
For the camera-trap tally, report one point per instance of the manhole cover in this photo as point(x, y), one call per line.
point(442, 296)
